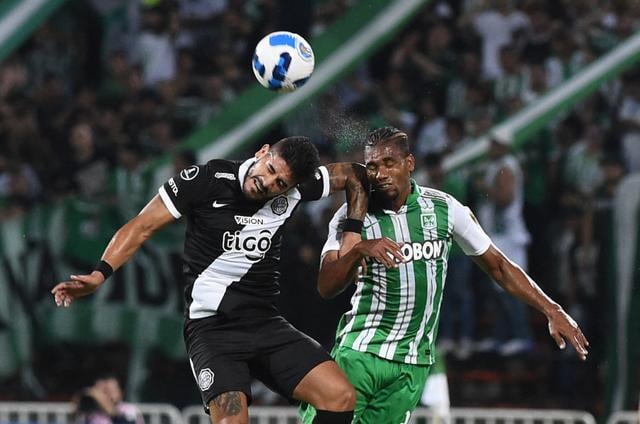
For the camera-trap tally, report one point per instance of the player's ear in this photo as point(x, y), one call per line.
point(411, 162)
point(263, 151)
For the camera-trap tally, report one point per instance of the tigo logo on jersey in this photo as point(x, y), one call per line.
point(429, 221)
point(430, 249)
point(279, 205)
point(189, 173)
point(205, 379)
point(253, 247)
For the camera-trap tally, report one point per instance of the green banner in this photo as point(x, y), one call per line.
point(140, 305)
point(19, 18)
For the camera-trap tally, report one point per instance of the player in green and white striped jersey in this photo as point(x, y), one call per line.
point(386, 342)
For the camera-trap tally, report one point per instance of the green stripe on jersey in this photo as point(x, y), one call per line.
point(395, 312)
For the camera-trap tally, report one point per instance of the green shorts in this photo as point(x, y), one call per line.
point(387, 391)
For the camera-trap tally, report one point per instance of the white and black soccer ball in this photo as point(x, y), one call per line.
point(283, 61)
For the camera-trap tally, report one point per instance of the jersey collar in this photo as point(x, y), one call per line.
point(244, 168)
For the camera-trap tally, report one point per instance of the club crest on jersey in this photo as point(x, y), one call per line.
point(279, 205)
point(429, 221)
point(189, 173)
point(205, 379)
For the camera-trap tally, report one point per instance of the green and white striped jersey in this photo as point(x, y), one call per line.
point(394, 312)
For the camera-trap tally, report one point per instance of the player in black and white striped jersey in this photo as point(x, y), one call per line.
point(235, 213)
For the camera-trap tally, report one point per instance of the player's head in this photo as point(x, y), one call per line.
point(280, 167)
point(389, 163)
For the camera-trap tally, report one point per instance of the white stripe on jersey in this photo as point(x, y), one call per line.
point(431, 272)
point(166, 199)
point(379, 296)
point(407, 291)
point(431, 335)
point(212, 283)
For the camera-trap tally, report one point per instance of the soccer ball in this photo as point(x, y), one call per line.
point(283, 61)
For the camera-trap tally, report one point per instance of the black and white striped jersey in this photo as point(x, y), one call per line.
point(232, 243)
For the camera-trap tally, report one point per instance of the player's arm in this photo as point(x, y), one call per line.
point(123, 245)
point(517, 283)
point(475, 243)
point(352, 178)
point(339, 269)
point(339, 264)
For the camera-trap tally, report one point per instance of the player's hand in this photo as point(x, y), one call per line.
point(561, 327)
point(80, 285)
point(384, 250)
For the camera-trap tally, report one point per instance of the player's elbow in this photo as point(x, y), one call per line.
point(501, 272)
point(325, 291)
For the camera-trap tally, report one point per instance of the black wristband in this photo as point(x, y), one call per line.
point(352, 226)
point(104, 268)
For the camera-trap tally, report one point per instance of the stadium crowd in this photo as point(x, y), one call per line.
point(103, 89)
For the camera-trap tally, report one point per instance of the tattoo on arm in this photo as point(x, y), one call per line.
point(229, 403)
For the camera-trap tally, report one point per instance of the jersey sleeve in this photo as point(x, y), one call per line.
point(181, 191)
point(335, 231)
point(317, 186)
point(467, 232)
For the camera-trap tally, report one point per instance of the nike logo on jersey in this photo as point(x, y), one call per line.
point(218, 205)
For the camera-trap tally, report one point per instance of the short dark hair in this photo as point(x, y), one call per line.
point(300, 154)
point(386, 135)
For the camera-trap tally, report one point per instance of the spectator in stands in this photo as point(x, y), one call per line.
point(582, 173)
point(431, 129)
point(87, 170)
point(468, 72)
point(536, 85)
point(497, 26)
point(500, 214)
point(513, 81)
point(19, 187)
point(537, 47)
point(103, 403)
point(155, 47)
point(566, 59)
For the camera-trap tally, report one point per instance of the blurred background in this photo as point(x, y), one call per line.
point(102, 100)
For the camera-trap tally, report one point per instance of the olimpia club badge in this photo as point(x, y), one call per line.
point(279, 205)
point(205, 379)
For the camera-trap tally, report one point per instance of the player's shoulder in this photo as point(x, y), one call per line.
point(222, 169)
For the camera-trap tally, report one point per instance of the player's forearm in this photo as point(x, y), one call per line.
point(352, 178)
point(336, 275)
point(517, 283)
point(126, 242)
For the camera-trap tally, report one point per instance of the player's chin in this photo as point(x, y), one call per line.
point(254, 194)
point(387, 191)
